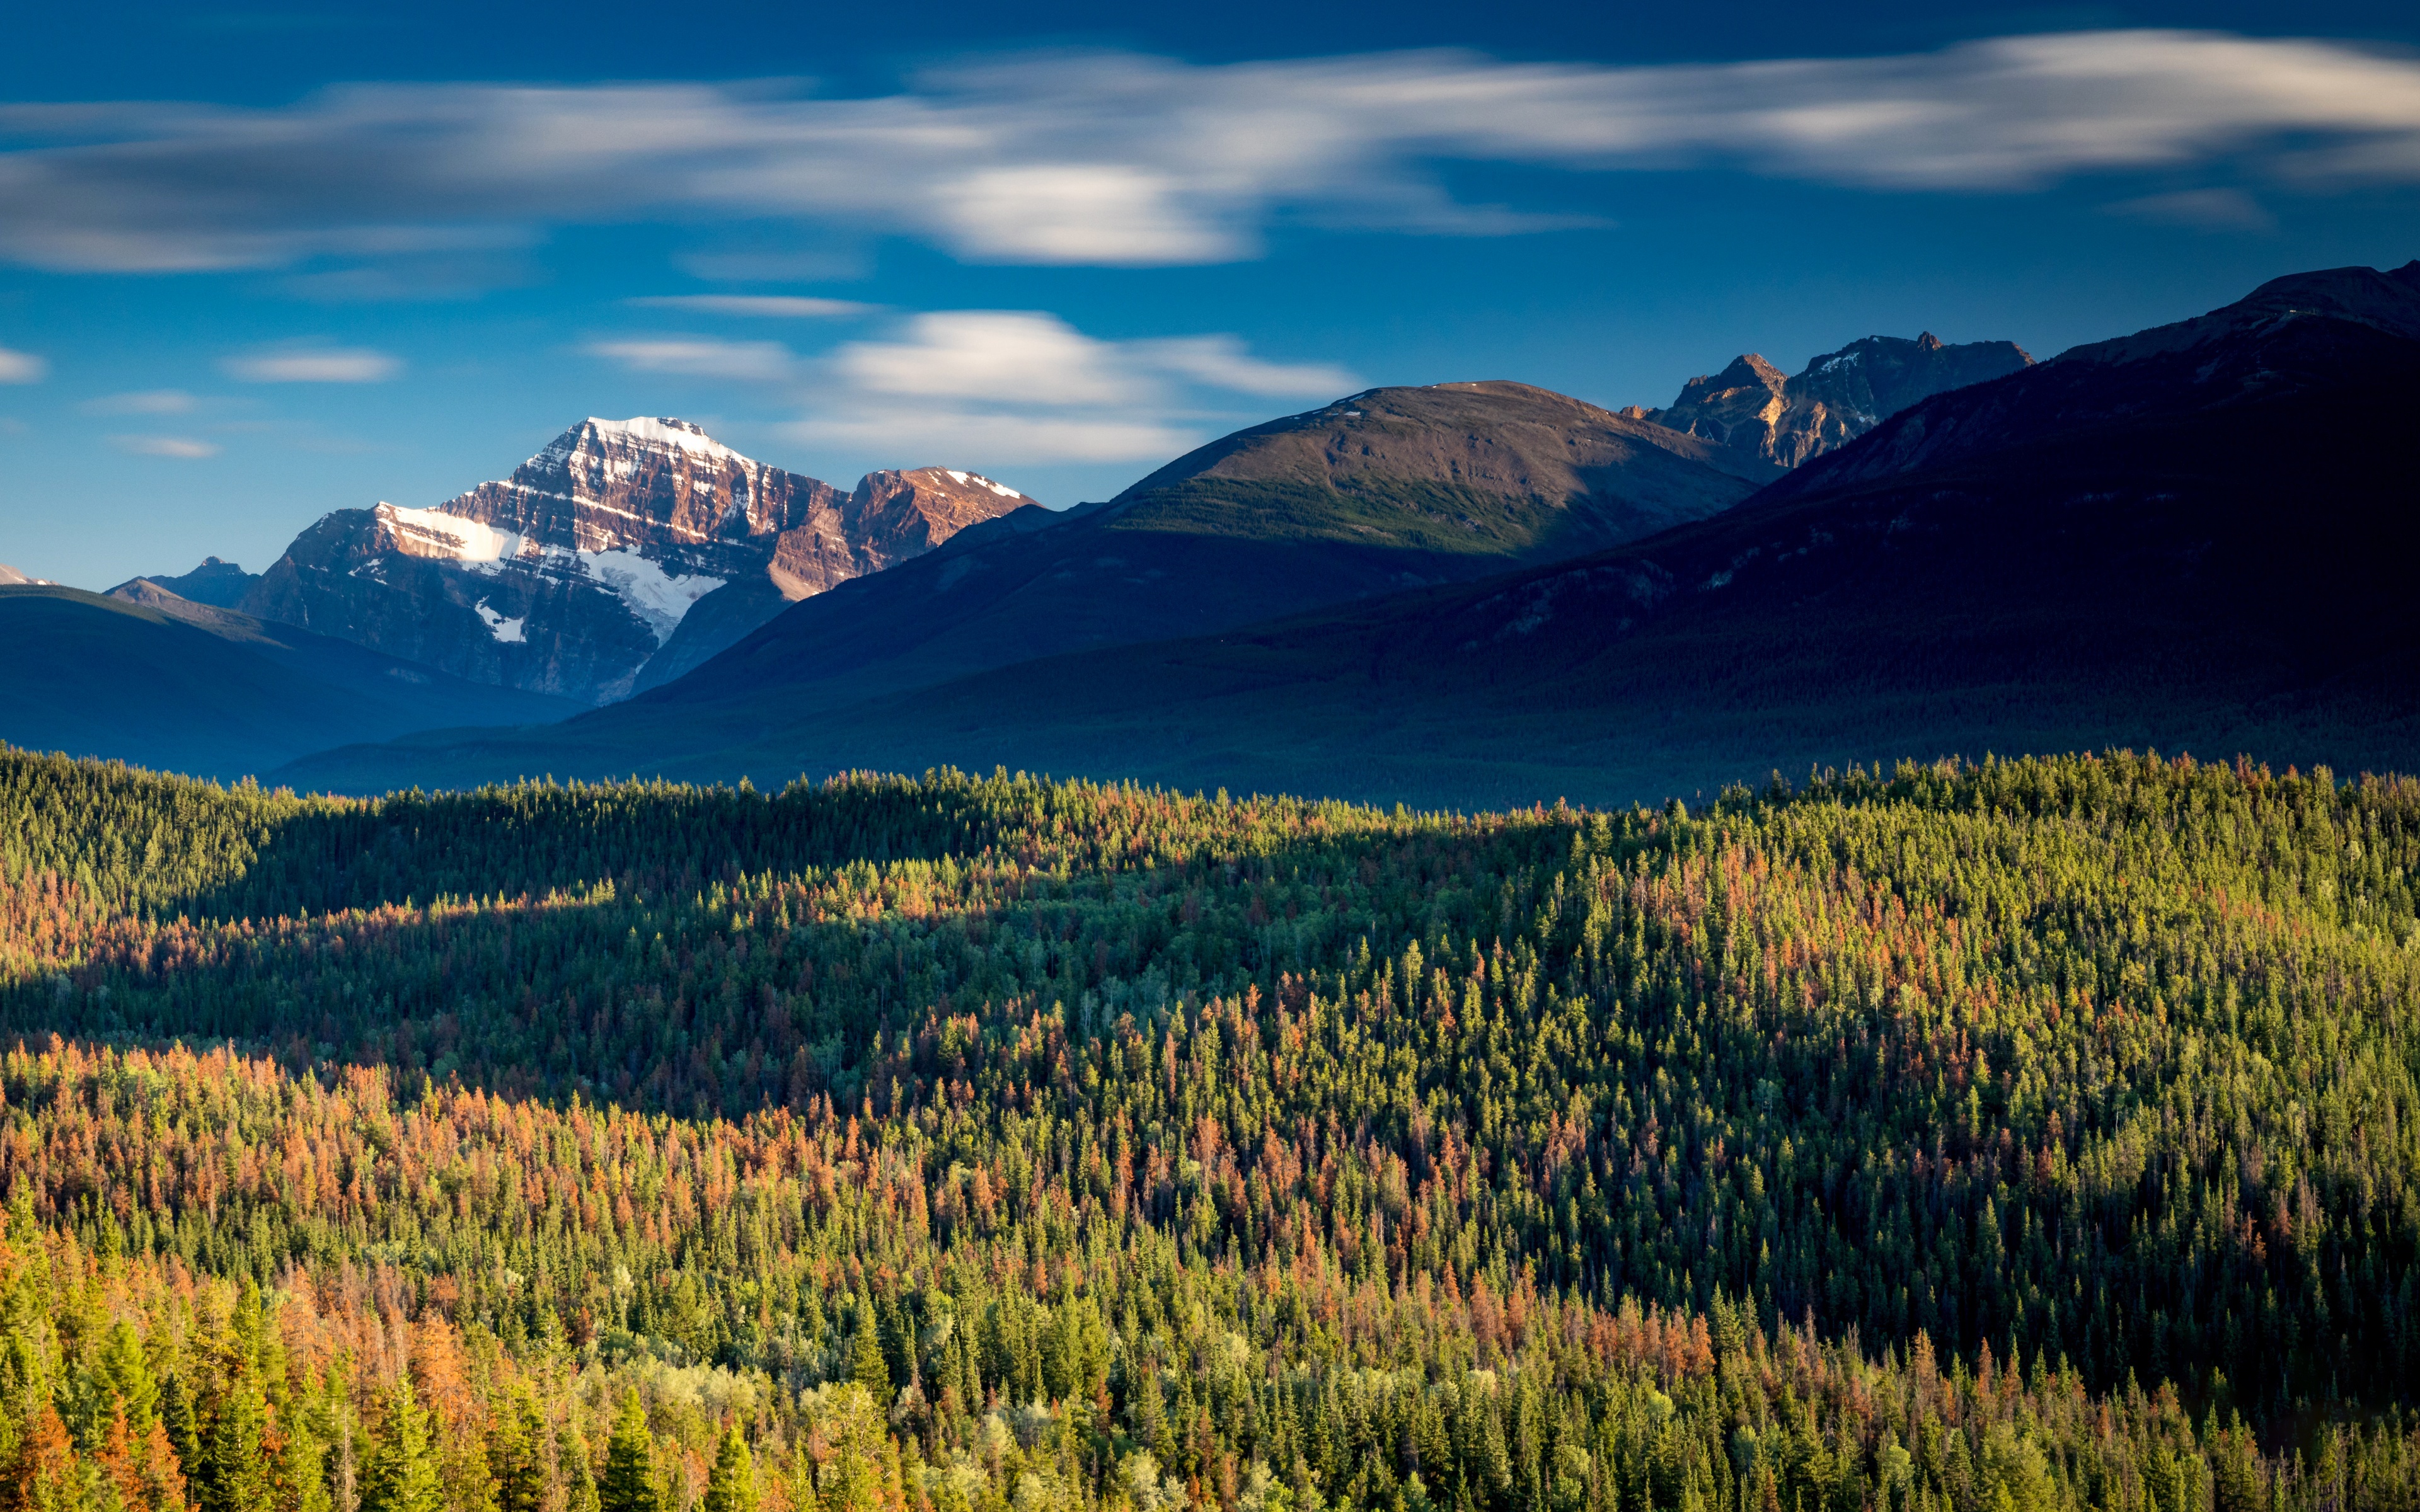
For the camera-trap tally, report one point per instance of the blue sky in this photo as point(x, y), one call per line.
point(261, 261)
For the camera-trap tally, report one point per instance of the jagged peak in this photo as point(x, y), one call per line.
point(646, 432)
point(963, 479)
point(1745, 370)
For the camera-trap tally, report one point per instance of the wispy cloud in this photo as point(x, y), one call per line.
point(182, 448)
point(1222, 363)
point(1109, 158)
point(754, 362)
point(22, 367)
point(768, 306)
point(322, 365)
point(994, 387)
point(146, 402)
point(1010, 386)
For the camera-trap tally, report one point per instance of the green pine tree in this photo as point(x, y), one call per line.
point(234, 1477)
point(578, 1485)
point(731, 1485)
point(401, 1474)
point(865, 1365)
point(185, 1429)
point(630, 1481)
point(515, 1438)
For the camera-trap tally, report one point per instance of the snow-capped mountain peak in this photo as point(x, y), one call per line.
point(585, 568)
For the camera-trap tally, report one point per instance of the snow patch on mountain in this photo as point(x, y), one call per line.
point(661, 599)
point(465, 540)
point(506, 630)
point(977, 480)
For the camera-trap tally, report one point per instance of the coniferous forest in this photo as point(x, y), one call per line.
point(2029, 1136)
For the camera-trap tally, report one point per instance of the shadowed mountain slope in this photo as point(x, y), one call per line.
point(146, 676)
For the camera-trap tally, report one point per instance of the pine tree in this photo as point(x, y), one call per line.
point(1144, 1414)
point(515, 1438)
point(401, 1474)
point(630, 1481)
point(865, 1365)
point(731, 1485)
point(130, 1376)
point(183, 1430)
point(234, 1472)
point(579, 1485)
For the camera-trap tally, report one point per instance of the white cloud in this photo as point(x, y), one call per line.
point(771, 306)
point(1006, 356)
point(185, 448)
point(22, 367)
point(147, 402)
point(999, 387)
point(1113, 159)
point(328, 364)
point(759, 361)
point(1222, 363)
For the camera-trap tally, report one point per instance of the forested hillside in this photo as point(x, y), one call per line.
point(2001, 1138)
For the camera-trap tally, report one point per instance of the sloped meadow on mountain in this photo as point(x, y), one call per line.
point(1968, 1138)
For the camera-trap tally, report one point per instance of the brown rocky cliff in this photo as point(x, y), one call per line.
point(1753, 410)
point(891, 517)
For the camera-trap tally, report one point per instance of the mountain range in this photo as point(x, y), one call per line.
point(1467, 593)
point(2139, 542)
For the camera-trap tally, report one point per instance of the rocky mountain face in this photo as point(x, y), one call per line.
point(11, 578)
point(1758, 415)
point(579, 575)
point(222, 585)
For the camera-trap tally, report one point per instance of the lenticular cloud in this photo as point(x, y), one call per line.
point(1112, 159)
